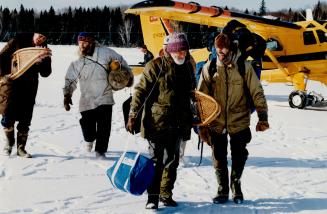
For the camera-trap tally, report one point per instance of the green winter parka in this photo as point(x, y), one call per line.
point(165, 88)
point(226, 86)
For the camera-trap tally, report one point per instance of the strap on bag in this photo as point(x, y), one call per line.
point(132, 166)
point(120, 161)
point(113, 176)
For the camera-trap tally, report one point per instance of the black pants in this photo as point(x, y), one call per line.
point(21, 104)
point(239, 153)
point(165, 153)
point(24, 121)
point(96, 125)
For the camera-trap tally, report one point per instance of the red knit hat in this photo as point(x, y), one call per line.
point(177, 42)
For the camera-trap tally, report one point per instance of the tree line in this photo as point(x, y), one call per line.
point(109, 25)
point(112, 27)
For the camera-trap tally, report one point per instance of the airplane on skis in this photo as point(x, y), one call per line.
point(296, 52)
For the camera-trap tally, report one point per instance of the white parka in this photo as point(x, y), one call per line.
point(93, 78)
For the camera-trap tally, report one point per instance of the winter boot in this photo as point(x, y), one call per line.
point(152, 203)
point(168, 179)
point(168, 201)
point(100, 156)
point(88, 146)
point(236, 186)
point(223, 188)
point(21, 143)
point(10, 140)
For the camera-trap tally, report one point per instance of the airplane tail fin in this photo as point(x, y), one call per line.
point(154, 32)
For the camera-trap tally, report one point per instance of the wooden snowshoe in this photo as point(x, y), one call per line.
point(25, 58)
point(205, 110)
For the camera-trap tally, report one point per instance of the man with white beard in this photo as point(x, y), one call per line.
point(165, 88)
point(95, 105)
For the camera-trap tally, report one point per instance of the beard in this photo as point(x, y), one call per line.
point(226, 59)
point(178, 61)
point(87, 50)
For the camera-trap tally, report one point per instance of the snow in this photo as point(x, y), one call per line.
point(285, 173)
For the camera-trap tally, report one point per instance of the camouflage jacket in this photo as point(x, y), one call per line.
point(165, 88)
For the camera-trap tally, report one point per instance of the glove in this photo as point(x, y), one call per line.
point(262, 126)
point(204, 134)
point(67, 102)
point(130, 125)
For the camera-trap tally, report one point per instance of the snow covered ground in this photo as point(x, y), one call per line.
point(286, 171)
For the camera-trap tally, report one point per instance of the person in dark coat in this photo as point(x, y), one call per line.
point(165, 87)
point(22, 98)
point(147, 55)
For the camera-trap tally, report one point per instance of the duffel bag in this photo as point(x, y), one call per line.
point(132, 173)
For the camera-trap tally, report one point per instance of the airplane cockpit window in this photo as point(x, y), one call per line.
point(322, 36)
point(273, 45)
point(309, 38)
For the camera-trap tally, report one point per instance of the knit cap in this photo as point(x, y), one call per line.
point(177, 42)
point(86, 37)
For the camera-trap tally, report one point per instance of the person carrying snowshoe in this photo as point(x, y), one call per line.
point(165, 88)
point(226, 86)
point(21, 99)
point(96, 100)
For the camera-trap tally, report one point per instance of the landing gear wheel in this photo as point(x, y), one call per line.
point(297, 99)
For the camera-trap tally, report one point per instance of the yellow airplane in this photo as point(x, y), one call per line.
point(296, 52)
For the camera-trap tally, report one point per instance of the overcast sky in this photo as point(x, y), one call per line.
point(239, 4)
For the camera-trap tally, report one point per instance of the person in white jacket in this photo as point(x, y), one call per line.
point(95, 104)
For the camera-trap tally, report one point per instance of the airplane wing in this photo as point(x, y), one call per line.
point(210, 16)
